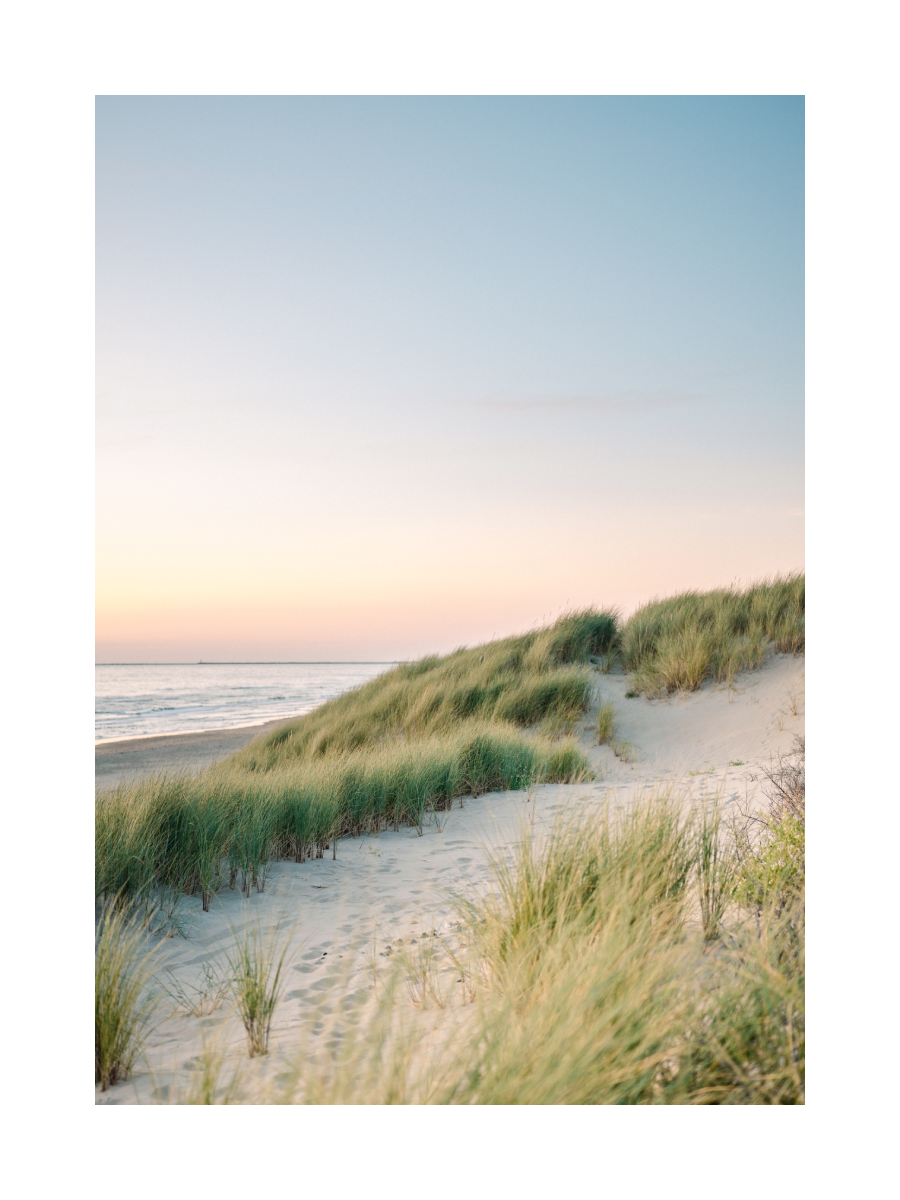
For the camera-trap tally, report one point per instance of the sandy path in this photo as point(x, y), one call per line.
point(347, 915)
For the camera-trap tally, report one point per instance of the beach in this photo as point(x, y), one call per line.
point(131, 758)
point(345, 919)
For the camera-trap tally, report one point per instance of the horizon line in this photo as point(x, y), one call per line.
point(324, 662)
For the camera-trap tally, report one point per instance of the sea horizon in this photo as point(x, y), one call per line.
point(136, 700)
point(262, 662)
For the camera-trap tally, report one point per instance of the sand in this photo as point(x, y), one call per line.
point(347, 919)
point(130, 758)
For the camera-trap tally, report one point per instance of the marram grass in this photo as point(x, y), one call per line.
point(385, 754)
point(256, 969)
point(676, 643)
point(412, 740)
point(589, 978)
point(123, 1001)
point(593, 981)
point(223, 826)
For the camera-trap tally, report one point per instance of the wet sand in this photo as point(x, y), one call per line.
point(135, 757)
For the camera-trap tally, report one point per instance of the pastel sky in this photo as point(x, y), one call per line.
point(383, 376)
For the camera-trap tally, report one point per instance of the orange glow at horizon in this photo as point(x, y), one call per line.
point(340, 612)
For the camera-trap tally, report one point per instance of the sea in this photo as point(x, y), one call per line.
point(142, 699)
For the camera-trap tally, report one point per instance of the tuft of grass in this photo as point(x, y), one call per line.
point(770, 847)
point(577, 869)
point(160, 912)
point(556, 728)
point(745, 1043)
point(212, 989)
point(124, 1003)
point(606, 722)
point(419, 960)
point(256, 974)
point(205, 1086)
point(605, 662)
point(623, 750)
point(714, 869)
point(675, 644)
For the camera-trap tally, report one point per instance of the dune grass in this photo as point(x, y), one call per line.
point(606, 722)
point(256, 969)
point(224, 826)
point(390, 753)
point(205, 1087)
point(651, 956)
point(402, 747)
point(515, 681)
point(769, 846)
point(124, 1003)
point(676, 643)
point(593, 982)
point(589, 974)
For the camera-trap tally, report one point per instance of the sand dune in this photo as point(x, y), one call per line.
point(348, 914)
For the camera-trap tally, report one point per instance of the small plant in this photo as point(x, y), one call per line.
point(439, 817)
point(631, 694)
point(770, 847)
point(161, 913)
point(210, 992)
point(420, 970)
point(557, 726)
point(712, 870)
point(794, 703)
point(205, 1087)
point(257, 986)
point(531, 799)
point(471, 971)
point(703, 771)
point(623, 750)
point(606, 722)
point(123, 1002)
point(737, 762)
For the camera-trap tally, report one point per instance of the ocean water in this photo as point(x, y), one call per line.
point(143, 699)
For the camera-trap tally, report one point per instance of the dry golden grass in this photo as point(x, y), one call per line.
point(592, 981)
point(124, 1002)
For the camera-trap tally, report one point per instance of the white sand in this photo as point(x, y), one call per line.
point(396, 885)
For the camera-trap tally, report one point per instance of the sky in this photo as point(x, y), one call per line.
point(379, 377)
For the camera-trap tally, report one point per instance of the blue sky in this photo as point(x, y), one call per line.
point(378, 376)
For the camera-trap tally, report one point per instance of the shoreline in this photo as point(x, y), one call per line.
point(117, 760)
point(178, 733)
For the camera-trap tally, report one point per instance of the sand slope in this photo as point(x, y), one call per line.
point(344, 918)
